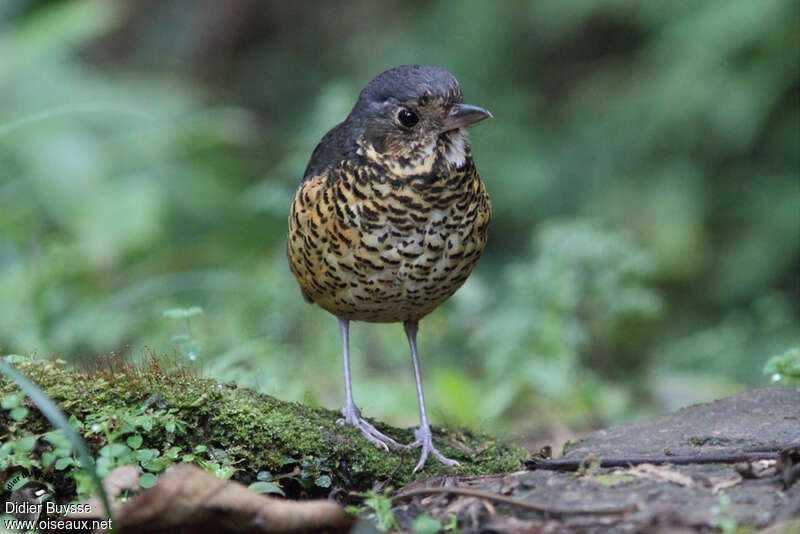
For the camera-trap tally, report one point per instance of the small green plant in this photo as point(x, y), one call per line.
point(18, 453)
point(70, 440)
point(123, 437)
point(187, 344)
point(784, 368)
point(310, 472)
point(722, 518)
point(13, 403)
point(266, 484)
point(425, 524)
point(120, 438)
point(380, 505)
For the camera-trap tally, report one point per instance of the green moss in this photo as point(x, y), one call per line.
point(303, 447)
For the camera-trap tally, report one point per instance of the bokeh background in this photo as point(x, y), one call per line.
point(643, 164)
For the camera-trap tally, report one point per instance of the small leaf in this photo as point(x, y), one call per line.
point(146, 422)
point(354, 510)
point(127, 424)
point(12, 400)
point(25, 444)
point(182, 313)
point(19, 413)
point(75, 423)
point(211, 467)
point(135, 441)
point(57, 438)
point(264, 476)
point(200, 448)
point(147, 480)
point(47, 459)
point(118, 449)
point(194, 310)
point(103, 465)
point(174, 313)
point(224, 472)
point(425, 524)
point(145, 455)
point(63, 463)
point(266, 488)
point(156, 465)
point(173, 452)
point(16, 358)
point(323, 481)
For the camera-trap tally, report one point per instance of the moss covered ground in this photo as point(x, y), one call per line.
point(153, 415)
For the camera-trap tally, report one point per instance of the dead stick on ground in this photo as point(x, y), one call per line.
point(502, 499)
point(570, 464)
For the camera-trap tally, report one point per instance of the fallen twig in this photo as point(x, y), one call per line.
point(573, 464)
point(502, 499)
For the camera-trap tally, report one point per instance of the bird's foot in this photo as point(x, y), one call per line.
point(424, 439)
point(352, 417)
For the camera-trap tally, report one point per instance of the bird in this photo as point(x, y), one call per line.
point(26, 502)
point(391, 217)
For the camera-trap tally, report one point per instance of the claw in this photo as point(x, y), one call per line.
point(424, 439)
point(352, 417)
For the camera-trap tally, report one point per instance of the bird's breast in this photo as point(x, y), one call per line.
point(371, 248)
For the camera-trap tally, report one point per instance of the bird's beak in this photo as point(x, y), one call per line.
point(462, 115)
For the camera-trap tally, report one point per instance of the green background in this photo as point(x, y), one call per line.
point(642, 162)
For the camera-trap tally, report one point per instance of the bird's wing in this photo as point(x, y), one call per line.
point(332, 148)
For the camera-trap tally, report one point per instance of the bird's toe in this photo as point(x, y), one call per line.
point(352, 417)
point(424, 440)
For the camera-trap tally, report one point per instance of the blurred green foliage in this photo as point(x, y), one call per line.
point(784, 368)
point(643, 165)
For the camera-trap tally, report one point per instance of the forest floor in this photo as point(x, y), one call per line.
point(742, 485)
point(729, 465)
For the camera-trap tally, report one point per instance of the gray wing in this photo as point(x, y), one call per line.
point(335, 146)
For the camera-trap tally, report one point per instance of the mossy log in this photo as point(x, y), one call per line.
point(176, 413)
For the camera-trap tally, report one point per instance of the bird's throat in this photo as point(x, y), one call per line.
point(450, 151)
point(456, 148)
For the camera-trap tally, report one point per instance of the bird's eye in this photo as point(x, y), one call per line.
point(407, 118)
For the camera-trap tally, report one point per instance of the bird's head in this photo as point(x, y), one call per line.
point(412, 118)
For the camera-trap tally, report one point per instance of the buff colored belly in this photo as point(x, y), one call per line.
point(409, 290)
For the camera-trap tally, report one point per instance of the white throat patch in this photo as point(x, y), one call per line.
point(456, 154)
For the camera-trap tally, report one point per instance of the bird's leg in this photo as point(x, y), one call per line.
point(423, 434)
point(351, 413)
